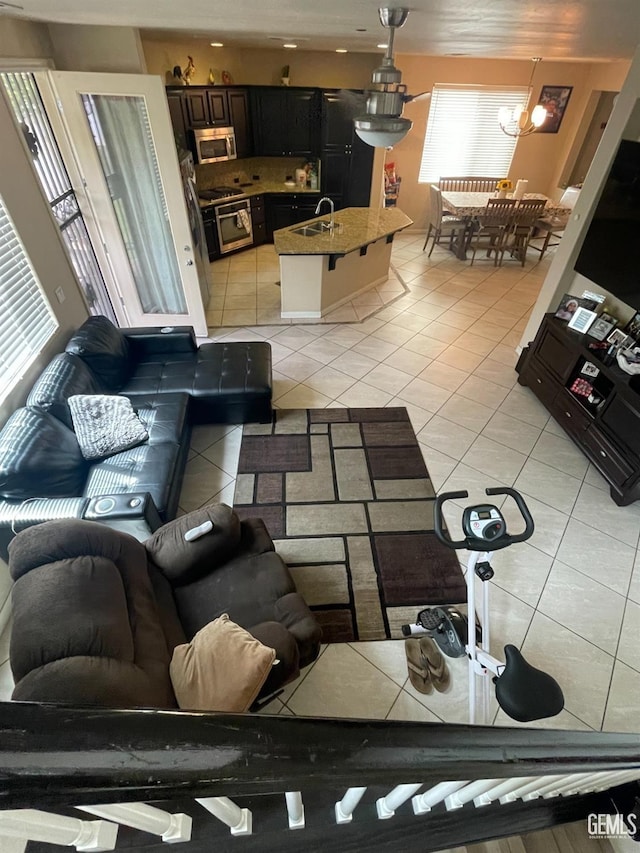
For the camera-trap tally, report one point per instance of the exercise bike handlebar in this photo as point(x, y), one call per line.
point(504, 541)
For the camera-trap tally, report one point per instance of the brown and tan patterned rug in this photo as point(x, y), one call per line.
point(346, 496)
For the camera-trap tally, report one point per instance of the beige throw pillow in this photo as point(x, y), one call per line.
point(221, 669)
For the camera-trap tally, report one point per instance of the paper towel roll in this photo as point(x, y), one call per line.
point(521, 188)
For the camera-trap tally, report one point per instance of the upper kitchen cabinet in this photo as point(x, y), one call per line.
point(286, 121)
point(347, 162)
point(211, 106)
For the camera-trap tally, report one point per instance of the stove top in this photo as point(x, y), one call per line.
point(219, 192)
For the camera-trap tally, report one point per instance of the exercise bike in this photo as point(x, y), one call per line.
point(522, 691)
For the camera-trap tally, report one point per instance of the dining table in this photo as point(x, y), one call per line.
point(469, 205)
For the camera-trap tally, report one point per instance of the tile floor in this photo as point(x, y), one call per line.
point(444, 348)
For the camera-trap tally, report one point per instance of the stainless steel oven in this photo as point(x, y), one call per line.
point(214, 144)
point(233, 224)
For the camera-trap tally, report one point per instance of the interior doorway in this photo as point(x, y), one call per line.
point(593, 135)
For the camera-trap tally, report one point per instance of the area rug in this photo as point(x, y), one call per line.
point(346, 496)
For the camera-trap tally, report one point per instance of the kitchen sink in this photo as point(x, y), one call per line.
point(314, 229)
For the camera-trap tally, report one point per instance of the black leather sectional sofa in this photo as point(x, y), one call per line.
point(172, 384)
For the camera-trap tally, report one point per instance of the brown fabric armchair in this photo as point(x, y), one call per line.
point(97, 614)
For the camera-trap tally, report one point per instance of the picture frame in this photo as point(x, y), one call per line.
point(581, 320)
point(633, 326)
point(554, 99)
point(569, 304)
point(602, 327)
point(617, 337)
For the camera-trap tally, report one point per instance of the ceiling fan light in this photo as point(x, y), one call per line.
point(382, 131)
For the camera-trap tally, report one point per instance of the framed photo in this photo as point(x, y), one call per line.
point(617, 337)
point(633, 326)
point(582, 319)
point(569, 304)
point(602, 327)
point(554, 99)
point(589, 369)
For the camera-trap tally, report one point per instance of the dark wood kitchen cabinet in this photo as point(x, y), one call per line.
point(210, 106)
point(210, 232)
point(286, 121)
point(346, 161)
point(258, 219)
point(596, 406)
point(286, 210)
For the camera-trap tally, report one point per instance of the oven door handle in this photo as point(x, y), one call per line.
point(230, 215)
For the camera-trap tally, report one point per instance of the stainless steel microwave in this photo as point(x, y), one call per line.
point(214, 144)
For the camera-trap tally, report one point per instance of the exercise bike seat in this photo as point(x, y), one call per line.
point(524, 692)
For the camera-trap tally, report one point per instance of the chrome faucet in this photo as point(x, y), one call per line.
point(332, 206)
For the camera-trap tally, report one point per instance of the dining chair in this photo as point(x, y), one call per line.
point(468, 184)
point(490, 229)
point(519, 234)
point(554, 225)
point(439, 224)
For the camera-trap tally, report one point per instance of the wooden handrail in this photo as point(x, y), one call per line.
point(55, 755)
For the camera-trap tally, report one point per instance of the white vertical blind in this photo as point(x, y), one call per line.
point(26, 319)
point(463, 135)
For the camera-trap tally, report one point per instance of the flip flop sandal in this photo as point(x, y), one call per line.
point(435, 663)
point(419, 673)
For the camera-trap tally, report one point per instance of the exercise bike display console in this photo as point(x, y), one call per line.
point(483, 524)
point(484, 521)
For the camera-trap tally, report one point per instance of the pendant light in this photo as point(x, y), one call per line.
point(382, 126)
point(518, 122)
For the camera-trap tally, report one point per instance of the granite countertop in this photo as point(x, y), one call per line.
point(260, 188)
point(359, 227)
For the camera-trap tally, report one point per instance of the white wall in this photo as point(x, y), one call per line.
point(561, 278)
point(97, 48)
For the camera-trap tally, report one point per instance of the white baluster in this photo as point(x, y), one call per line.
point(530, 788)
point(465, 795)
point(172, 828)
point(551, 787)
point(295, 809)
point(36, 825)
point(423, 803)
point(346, 807)
point(590, 782)
point(386, 806)
point(505, 787)
point(238, 820)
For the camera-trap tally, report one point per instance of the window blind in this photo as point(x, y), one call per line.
point(463, 135)
point(26, 319)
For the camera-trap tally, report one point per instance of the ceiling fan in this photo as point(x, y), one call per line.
point(383, 125)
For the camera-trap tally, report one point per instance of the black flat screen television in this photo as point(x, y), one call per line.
point(610, 253)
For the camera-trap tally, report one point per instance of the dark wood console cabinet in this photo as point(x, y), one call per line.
point(606, 424)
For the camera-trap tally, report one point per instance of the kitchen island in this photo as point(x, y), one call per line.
point(320, 271)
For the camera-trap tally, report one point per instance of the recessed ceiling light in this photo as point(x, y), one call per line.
point(341, 50)
point(216, 44)
point(383, 46)
point(290, 45)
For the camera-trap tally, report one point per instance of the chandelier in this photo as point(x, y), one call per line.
point(518, 121)
point(383, 125)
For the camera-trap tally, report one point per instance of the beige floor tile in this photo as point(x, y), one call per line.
point(239, 318)
point(585, 606)
point(582, 670)
point(387, 655)
point(496, 372)
point(303, 397)
point(329, 381)
point(596, 508)
point(409, 709)
point(295, 337)
point(298, 366)
point(375, 348)
point(345, 336)
point(511, 432)
point(460, 358)
point(457, 319)
point(322, 350)
point(425, 345)
point(467, 413)
point(598, 555)
point(443, 375)
point(353, 364)
point(407, 361)
point(629, 651)
point(424, 394)
point(447, 437)
point(495, 459)
point(546, 483)
point(439, 466)
point(443, 333)
point(205, 435)
point(393, 334)
point(475, 344)
point(343, 683)
point(483, 391)
point(521, 404)
point(343, 314)
point(226, 451)
point(202, 480)
point(363, 394)
point(561, 453)
point(623, 704)
point(387, 378)
point(245, 302)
